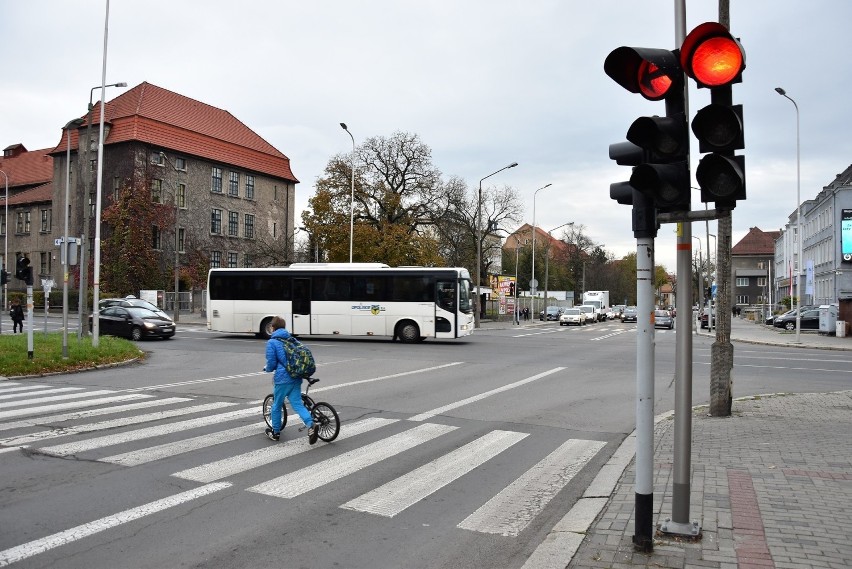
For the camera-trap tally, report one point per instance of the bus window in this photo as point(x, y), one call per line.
point(447, 295)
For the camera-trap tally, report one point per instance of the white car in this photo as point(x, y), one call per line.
point(572, 316)
point(589, 312)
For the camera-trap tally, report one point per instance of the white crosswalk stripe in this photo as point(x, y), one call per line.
point(62, 397)
point(5, 396)
point(45, 409)
point(395, 496)
point(14, 387)
point(307, 479)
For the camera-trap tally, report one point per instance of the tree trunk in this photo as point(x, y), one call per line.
point(722, 351)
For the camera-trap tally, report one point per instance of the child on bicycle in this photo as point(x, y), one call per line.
point(284, 385)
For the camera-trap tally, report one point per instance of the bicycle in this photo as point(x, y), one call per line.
point(322, 413)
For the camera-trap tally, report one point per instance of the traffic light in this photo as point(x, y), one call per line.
point(715, 60)
point(4, 277)
point(23, 270)
point(657, 147)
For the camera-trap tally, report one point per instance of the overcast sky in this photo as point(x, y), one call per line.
point(483, 83)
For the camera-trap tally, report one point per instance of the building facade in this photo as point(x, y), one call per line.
point(752, 260)
point(223, 195)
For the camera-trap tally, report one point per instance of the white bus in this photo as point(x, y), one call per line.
point(359, 299)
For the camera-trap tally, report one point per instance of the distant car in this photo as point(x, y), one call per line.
point(133, 322)
point(704, 318)
point(663, 319)
point(572, 316)
point(589, 313)
point(550, 313)
point(132, 301)
point(809, 320)
point(630, 314)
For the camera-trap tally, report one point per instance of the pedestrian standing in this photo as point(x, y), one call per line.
point(16, 312)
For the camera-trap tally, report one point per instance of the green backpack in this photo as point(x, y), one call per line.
point(300, 360)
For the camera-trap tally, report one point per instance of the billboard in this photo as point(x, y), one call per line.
point(846, 235)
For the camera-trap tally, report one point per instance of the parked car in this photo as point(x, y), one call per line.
point(629, 314)
point(551, 312)
point(663, 319)
point(810, 320)
point(773, 317)
point(589, 313)
point(132, 301)
point(572, 316)
point(134, 322)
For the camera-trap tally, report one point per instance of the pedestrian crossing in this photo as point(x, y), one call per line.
point(137, 429)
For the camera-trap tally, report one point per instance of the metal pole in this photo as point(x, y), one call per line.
point(98, 191)
point(517, 257)
point(351, 195)
point(478, 230)
point(533, 253)
point(799, 261)
point(64, 247)
point(5, 252)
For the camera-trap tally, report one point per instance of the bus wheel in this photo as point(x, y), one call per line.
point(265, 329)
point(408, 332)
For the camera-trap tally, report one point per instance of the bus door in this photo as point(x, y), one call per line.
point(301, 306)
point(446, 308)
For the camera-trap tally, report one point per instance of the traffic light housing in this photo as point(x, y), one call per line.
point(4, 277)
point(715, 60)
point(657, 147)
point(23, 270)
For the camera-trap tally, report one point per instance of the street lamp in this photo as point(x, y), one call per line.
point(352, 194)
point(64, 247)
point(517, 257)
point(800, 261)
point(532, 279)
point(178, 204)
point(83, 261)
point(700, 272)
point(5, 248)
point(477, 223)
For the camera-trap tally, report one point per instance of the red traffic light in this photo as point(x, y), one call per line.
point(650, 72)
point(712, 56)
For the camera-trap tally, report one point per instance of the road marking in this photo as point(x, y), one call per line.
point(53, 390)
point(510, 511)
point(139, 434)
point(150, 454)
point(193, 382)
point(20, 552)
point(327, 471)
point(56, 398)
point(400, 374)
point(392, 498)
point(45, 409)
point(5, 389)
point(53, 419)
point(111, 424)
point(267, 455)
point(463, 402)
point(610, 335)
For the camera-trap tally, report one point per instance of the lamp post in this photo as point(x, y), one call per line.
point(5, 248)
point(517, 257)
point(700, 273)
point(83, 262)
point(64, 247)
point(477, 223)
point(178, 204)
point(713, 282)
point(352, 193)
point(532, 278)
point(800, 261)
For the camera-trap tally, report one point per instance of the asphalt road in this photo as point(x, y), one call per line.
point(451, 454)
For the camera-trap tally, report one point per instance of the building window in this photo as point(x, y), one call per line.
point(248, 261)
point(217, 180)
point(215, 259)
point(44, 263)
point(234, 184)
point(116, 188)
point(232, 260)
point(180, 164)
point(233, 223)
point(23, 224)
point(92, 204)
point(157, 191)
point(155, 238)
point(157, 159)
point(3, 224)
point(45, 220)
point(249, 187)
point(181, 239)
point(93, 165)
point(249, 226)
point(216, 221)
point(761, 281)
point(742, 281)
point(181, 196)
point(742, 299)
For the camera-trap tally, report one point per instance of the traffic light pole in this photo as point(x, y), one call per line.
point(643, 537)
point(30, 318)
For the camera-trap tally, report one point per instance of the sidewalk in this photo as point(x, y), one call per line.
point(771, 486)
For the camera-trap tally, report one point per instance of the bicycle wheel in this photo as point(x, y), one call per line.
point(267, 412)
point(327, 421)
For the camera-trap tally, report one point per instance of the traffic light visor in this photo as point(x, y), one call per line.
point(711, 56)
point(650, 72)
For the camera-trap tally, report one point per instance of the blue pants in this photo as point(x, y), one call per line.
point(292, 390)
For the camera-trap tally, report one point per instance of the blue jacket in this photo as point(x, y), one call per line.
point(276, 357)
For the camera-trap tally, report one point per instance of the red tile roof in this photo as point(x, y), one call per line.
point(42, 193)
point(160, 117)
point(756, 242)
point(27, 168)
